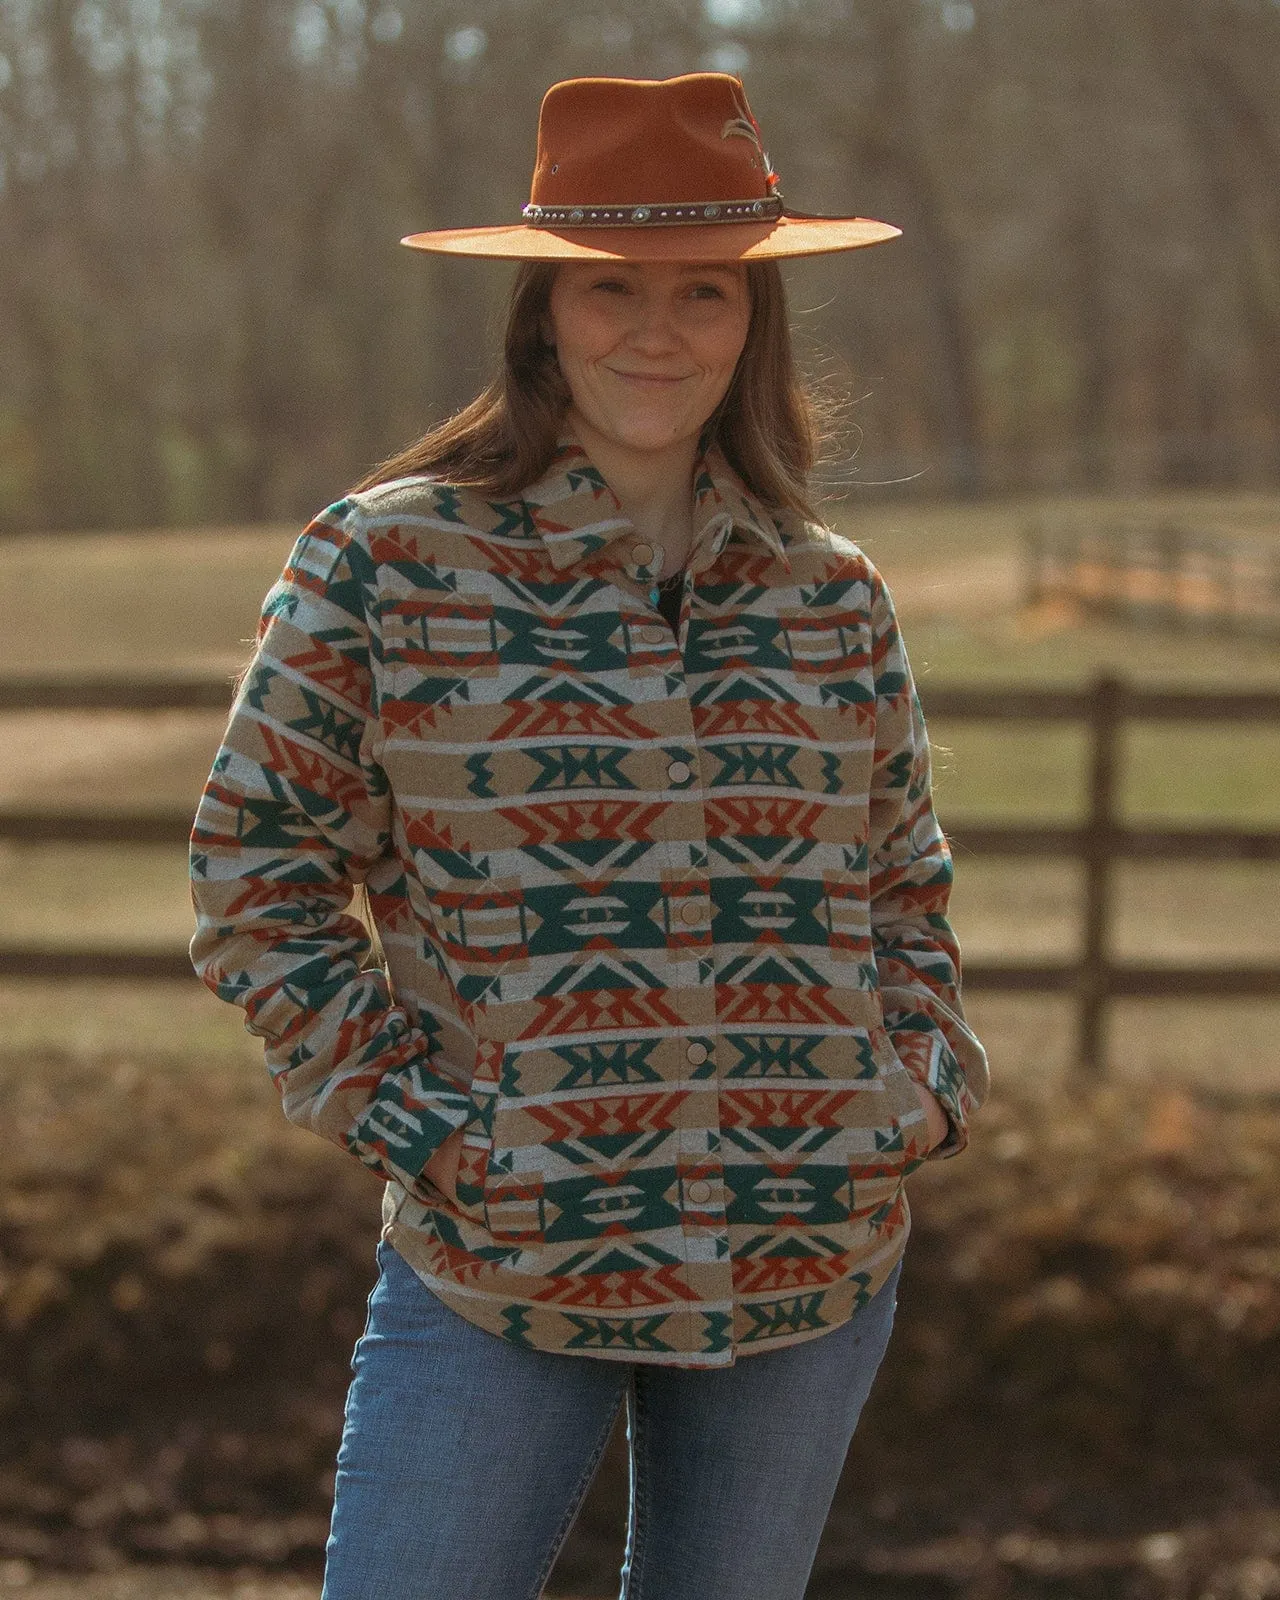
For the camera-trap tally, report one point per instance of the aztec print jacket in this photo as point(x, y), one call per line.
point(664, 919)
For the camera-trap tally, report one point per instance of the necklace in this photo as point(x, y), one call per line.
point(666, 595)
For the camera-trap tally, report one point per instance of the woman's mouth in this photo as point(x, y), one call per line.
point(655, 380)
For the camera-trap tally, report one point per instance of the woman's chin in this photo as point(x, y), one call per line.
point(653, 436)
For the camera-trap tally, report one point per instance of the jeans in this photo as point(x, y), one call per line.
point(465, 1459)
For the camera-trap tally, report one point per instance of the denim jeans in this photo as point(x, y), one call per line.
point(465, 1459)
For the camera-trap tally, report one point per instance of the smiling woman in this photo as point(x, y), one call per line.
point(621, 742)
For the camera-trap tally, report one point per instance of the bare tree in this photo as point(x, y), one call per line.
point(203, 313)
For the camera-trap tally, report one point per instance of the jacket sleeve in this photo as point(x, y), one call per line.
point(295, 812)
point(917, 957)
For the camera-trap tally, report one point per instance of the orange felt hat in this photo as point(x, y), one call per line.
point(669, 169)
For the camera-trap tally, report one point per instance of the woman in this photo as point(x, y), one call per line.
point(623, 746)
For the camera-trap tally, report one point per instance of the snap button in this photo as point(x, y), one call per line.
point(691, 911)
point(654, 634)
point(679, 772)
point(696, 1054)
point(642, 554)
point(699, 1191)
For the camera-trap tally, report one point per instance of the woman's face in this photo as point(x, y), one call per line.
point(648, 349)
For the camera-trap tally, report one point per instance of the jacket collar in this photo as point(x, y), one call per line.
point(577, 513)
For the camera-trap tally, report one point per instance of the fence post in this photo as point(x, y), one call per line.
point(1225, 572)
point(1094, 990)
point(1171, 548)
point(1035, 544)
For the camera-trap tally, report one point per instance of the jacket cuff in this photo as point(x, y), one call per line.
point(414, 1113)
point(926, 1057)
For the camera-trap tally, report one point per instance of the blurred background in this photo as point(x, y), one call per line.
point(203, 314)
point(1061, 445)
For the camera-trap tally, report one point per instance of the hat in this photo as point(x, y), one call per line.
point(670, 169)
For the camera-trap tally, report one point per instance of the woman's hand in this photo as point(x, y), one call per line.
point(935, 1117)
point(442, 1167)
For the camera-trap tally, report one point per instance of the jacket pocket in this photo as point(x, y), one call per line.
point(477, 1140)
point(584, 1142)
point(508, 1154)
point(514, 1187)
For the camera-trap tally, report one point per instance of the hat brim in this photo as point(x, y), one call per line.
point(791, 234)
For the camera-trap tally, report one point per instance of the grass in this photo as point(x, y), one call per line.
point(958, 571)
point(980, 634)
point(169, 602)
point(931, 533)
point(1169, 774)
point(1057, 652)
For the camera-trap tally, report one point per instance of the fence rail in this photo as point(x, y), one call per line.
point(1161, 573)
point(1099, 841)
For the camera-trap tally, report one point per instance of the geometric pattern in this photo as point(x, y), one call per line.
point(663, 914)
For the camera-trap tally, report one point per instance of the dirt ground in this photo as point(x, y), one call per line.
point(19, 1579)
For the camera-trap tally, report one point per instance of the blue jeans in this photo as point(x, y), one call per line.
point(465, 1459)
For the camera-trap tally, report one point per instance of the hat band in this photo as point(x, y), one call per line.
point(652, 216)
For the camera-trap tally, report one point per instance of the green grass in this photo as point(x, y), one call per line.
point(1197, 774)
point(68, 894)
point(171, 602)
point(967, 643)
point(163, 1028)
point(92, 1020)
point(1170, 773)
point(1001, 651)
point(896, 536)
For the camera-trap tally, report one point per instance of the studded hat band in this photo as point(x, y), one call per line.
point(653, 215)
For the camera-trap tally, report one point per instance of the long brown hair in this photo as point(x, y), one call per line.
point(767, 424)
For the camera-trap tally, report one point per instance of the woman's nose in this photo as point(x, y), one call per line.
point(654, 326)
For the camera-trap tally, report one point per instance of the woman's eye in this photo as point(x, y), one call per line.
point(707, 291)
point(611, 285)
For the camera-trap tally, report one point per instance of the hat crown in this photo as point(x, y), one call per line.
point(637, 141)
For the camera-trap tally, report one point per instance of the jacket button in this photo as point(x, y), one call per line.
point(642, 554)
point(679, 772)
point(699, 1191)
point(655, 634)
point(696, 1054)
point(691, 911)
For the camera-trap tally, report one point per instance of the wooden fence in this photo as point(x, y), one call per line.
point(1162, 574)
point(1099, 840)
